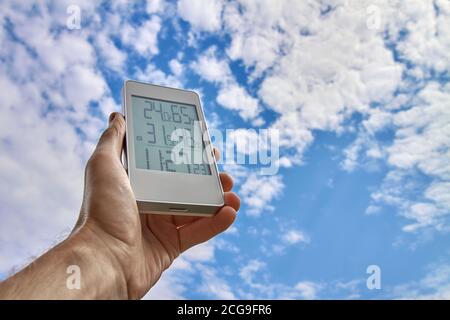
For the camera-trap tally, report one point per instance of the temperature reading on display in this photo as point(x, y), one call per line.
point(165, 131)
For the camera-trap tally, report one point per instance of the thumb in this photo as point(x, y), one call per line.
point(111, 141)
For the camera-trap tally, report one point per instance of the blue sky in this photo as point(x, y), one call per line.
point(358, 90)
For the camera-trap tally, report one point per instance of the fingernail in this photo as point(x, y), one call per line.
point(111, 117)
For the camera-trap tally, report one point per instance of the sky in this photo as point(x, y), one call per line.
point(359, 92)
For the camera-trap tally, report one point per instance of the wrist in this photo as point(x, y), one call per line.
point(102, 273)
point(77, 268)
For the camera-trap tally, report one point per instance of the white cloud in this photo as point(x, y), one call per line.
point(258, 191)
point(203, 252)
point(175, 282)
point(210, 68)
point(295, 236)
point(423, 134)
point(247, 272)
point(316, 79)
point(176, 67)
point(82, 85)
point(143, 38)
point(254, 34)
point(155, 6)
point(427, 29)
point(50, 78)
point(423, 215)
point(258, 285)
point(307, 290)
point(54, 53)
point(342, 72)
point(113, 57)
point(202, 15)
point(318, 91)
point(214, 285)
point(35, 177)
point(234, 97)
point(377, 120)
point(107, 105)
point(154, 75)
point(231, 95)
point(418, 115)
point(435, 285)
point(439, 192)
point(372, 209)
point(421, 145)
point(226, 246)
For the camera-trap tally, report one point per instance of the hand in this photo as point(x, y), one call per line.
point(140, 246)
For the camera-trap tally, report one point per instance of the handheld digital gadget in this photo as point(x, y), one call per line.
point(168, 152)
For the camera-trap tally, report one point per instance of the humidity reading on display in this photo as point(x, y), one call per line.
point(159, 127)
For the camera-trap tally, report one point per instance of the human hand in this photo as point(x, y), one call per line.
point(140, 247)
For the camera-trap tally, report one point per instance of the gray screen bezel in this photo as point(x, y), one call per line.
point(169, 187)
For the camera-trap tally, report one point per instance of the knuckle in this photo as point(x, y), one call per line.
point(238, 202)
point(97, 160)
point(109, 133)
point(115, 130)
point(118, 125)
point(120, 120)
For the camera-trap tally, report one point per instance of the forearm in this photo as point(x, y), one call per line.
point(74, 269)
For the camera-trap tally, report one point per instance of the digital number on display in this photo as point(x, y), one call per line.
point(162, 127)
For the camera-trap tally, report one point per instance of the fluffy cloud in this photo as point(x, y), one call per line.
point(426, 30)
point(39, 175)
point(423, 134)
point(421, 145)
point(313, 77)
point(257, 287)
point(113, 57)
point(253, 29)
point(155, 6)
point(435, 285)
point(176, 67)
point(307, 290)
point(231, 95)
point(174, 282)
point(210, 68)
point(234, 97)
point(214, 285)
point(154, 75)
point(258, 192)
point(295, 236)
point(143, 38)
point(354, 71)
point(82, 85)
point(318, 91)
point(202, 15)
point(372, 209)
point(247, 272)
point(48, 128)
